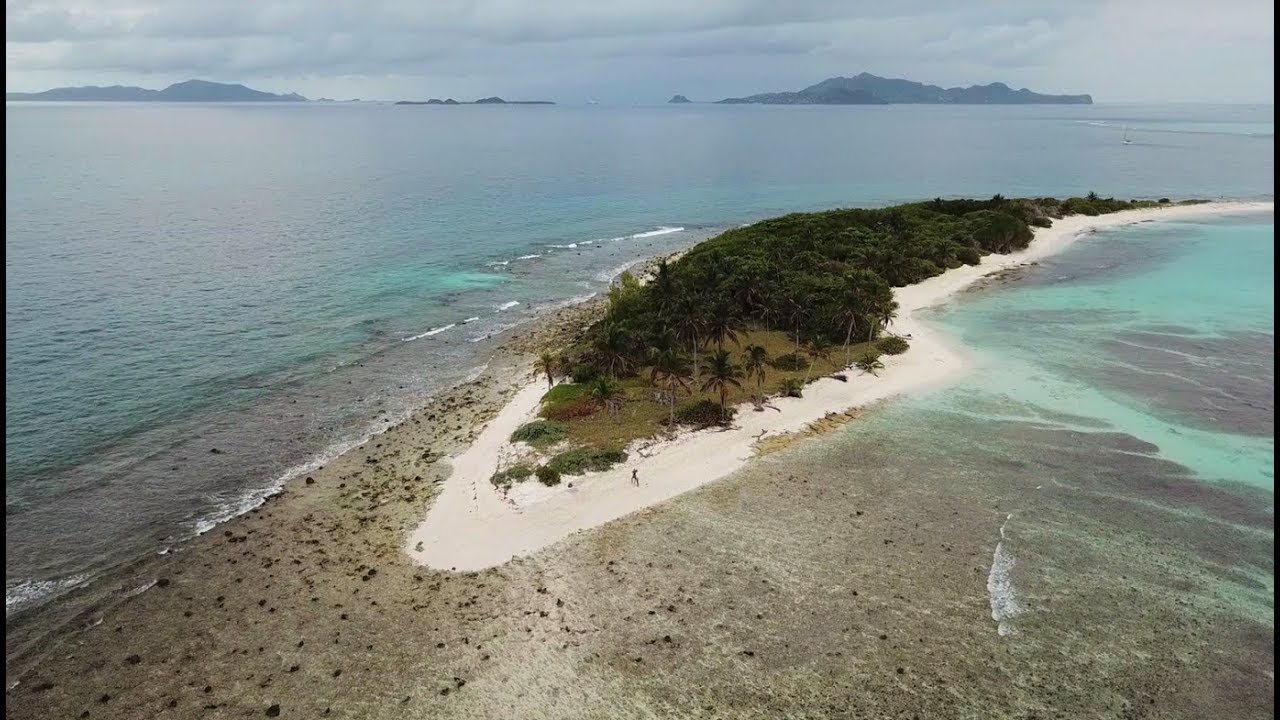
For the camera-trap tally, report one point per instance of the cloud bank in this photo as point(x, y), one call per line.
point(642, 51)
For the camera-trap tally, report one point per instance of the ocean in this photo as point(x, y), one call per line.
point(203, 300)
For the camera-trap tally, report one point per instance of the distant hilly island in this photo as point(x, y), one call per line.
point(189, 91)
point(868, 89)
point(495, 100)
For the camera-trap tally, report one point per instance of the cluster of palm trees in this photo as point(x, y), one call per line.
point(679, 324)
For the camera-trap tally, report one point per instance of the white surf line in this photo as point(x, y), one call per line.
point(466, 531)
point(429, 333)
point(1004, 602)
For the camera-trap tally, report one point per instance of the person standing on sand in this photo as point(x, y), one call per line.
point(635, 477)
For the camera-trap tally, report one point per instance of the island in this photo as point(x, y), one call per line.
point(495, 100)
point(867, 89)
point(189, 91)
point(678, 99)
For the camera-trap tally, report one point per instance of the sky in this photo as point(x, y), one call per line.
point(643, 51)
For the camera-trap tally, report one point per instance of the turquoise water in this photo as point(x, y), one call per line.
point(1162, 332)
point(277, 282)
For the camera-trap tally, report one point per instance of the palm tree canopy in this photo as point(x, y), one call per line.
point(722, 372)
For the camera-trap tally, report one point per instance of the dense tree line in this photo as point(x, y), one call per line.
point(824, 278)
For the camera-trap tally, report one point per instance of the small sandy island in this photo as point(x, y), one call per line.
point(472, 526)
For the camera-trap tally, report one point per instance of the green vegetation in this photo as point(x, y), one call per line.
point(703, 413)
point(790, 361)
point(541, 433)
point(547, 475)
point(514, 474)
point(869, 363)
point(761, 310)
point(892, 345)
point(583, 460)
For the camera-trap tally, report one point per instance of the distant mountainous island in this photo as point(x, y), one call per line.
point(867, 89)
point(189, 91)
point(495, 100)
point(678, 99)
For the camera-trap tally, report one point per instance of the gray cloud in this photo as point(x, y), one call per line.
point(639, 50)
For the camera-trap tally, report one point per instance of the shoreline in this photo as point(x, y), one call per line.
point(471, 527)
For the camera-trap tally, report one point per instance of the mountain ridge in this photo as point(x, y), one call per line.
point(868, 89)
point(187, 91)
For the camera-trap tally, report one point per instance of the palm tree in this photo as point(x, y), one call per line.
point(882, 313)
point(670, 371)
point(689, 324)
point(724, 324)
point(612, 348)
point(605, 391)
point(722, 374)
point(817, 347)
point(796, 313)
point(870, 363)
point(665, 291)
point(755, 365)
point(549, 364)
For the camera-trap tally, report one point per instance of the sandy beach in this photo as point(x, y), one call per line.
point(472, 526)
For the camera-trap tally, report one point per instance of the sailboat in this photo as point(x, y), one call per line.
point(1127, 141)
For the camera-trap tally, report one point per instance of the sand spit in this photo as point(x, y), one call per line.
point(471, 526)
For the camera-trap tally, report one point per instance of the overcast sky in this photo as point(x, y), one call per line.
point(643, 51)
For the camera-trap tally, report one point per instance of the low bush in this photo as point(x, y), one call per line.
point(1163, 201)
point(514, 474)
point(583, 373)
point(969, 256)
point(793, 387)
point(789, 362)
point(892, 345)
point(583, 460)
point(541, 433)
point(703, 413)
point(1042, 222)
point(547, 475)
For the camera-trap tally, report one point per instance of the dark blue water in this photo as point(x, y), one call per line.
point(261, 279)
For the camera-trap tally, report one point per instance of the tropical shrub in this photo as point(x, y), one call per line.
point(969, 256)
point(541, 433)
point(892, 345)
point(514, 474)
point(547, 475)
point(789, 362)
point(582, 460)
point(793, 387)
point(703, 413)
point(583, 373)
point(1042, 222)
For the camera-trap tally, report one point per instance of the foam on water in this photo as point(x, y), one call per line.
point(507, 305)
point(429, 333)
point(31, 591)
point(1000, 592)
point(662, 230)
point(496, 330)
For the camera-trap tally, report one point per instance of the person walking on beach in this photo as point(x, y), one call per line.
point(635, 477)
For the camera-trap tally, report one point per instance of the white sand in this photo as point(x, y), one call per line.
point(472, 527)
